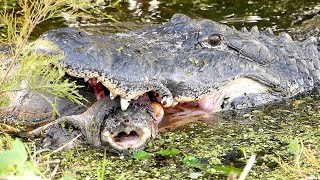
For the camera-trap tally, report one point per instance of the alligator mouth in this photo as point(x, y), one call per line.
point(190, 106)
point(131, 139)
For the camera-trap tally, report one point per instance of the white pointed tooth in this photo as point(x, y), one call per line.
point(112, 96)
point(175, 103)
point(136, 98)
point(106, 133)
point(124, 104)
point(167, 101)
point(86, 79)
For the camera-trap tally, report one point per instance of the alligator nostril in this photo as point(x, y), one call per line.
point(126, 122)
point(215, 39)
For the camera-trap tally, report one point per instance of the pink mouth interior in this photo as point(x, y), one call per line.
point(125, 139)
point(182, 110)
point(97, 88)
point(202, 106)
point(195, 108)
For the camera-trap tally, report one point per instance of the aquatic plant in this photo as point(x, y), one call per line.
point(303, 165)
point(21, 68)
point(18, 160)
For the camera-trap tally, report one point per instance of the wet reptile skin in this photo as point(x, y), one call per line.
point(178, 61)
point(182, 60)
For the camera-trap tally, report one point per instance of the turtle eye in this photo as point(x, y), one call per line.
point(215, 39)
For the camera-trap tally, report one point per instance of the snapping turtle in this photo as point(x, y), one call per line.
point(189, 66)
point(103, 124)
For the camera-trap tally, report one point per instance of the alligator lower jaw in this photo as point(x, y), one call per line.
point(215, 101)
point(132, 139)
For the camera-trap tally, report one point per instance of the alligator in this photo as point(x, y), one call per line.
point(191, 67)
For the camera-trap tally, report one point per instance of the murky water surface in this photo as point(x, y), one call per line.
point(132, 14)
point(266, 131)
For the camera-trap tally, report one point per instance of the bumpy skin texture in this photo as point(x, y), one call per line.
point(178, 60)
point(33, 110)
point(183, 60)
point(105, 116)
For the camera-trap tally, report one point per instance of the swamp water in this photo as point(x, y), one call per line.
point(213, 147)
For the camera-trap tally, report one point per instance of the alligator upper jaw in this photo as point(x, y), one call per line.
point(129, 139)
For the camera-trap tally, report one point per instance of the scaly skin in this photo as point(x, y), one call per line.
point(102, 125)
point(197, 66)
point(188, 60)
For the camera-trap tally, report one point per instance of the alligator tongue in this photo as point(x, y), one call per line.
point(97, 88)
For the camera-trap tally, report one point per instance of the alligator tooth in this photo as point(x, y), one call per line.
point(112, 96)
point(86, 79)
point(136, 98)
point(166, 101)
point(175, 103)
point(124, 104)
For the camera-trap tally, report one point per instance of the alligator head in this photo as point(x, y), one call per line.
point(197, 66)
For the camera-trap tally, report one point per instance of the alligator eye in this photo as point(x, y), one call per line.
point(215, 39)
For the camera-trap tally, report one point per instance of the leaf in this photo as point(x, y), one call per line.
point(193, 162)
point(190, 160)
point(294, 147)
point(227, 169)
point(169, 152)
point(20, 151)
point(140, 155)
point(15, 156)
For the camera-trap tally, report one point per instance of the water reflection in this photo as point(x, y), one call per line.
point(146, 10)
point(133, 14)
point(248, 19)
point(272, 13)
